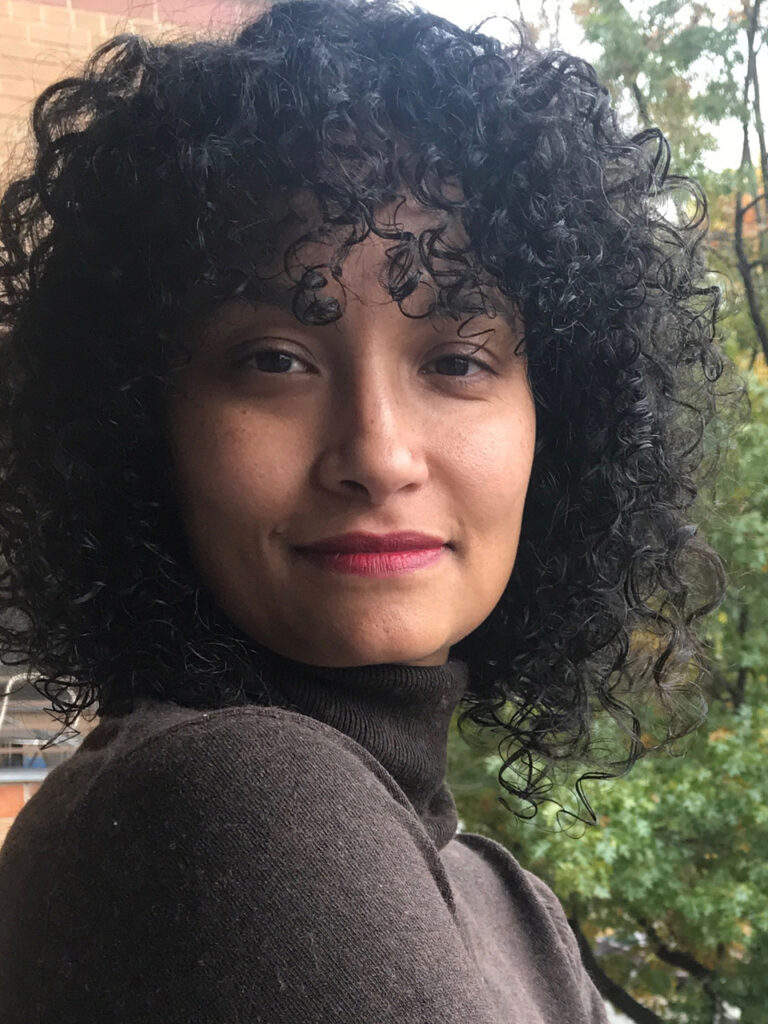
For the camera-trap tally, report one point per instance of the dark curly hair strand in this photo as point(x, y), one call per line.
point(164, 183)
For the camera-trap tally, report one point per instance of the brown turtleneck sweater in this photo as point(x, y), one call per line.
point(293, 860)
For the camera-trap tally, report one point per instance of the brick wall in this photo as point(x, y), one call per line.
point(13, 796)
point(42, 42)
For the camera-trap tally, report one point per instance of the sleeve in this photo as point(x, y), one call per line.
point(250, 868)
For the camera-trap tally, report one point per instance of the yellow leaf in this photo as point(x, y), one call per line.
point(719, 734)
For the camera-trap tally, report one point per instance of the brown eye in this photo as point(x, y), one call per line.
point(272, 360)
point(458, 365)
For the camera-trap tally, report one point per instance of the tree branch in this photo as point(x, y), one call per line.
point(753, 15)
point(607, 987)
point(761, 329)
point(675, 957)
point(758, 198)
point(741, 676)
point(642, 106)
point(746, 275)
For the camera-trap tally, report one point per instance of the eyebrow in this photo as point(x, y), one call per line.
point(281, 299)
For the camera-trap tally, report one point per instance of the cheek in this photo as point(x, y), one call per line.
point(495, 468)
point(231, 468)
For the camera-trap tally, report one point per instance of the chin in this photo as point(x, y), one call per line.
point(383, 652)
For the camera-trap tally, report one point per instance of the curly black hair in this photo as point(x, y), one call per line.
point(162, 183)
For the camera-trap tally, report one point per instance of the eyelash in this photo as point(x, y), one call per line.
point(485, 368)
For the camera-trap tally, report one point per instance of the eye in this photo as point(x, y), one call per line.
point(273, 360)
point(457, 365)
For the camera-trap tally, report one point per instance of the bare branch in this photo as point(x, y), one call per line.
point(753, 24)
point(607, 987)
point(761, 328)
point(642, 106)
point(755, 201)
point(676, 957)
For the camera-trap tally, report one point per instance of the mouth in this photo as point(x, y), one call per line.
point(367, 543)
point(374, 563)
point(370, 554)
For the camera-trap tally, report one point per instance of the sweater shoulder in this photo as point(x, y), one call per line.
point(245, 862)
point(529, 889)
point(270, 751)
point(176, 765)
point(525, 907)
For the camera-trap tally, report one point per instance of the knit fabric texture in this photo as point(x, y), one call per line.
point(291, 860)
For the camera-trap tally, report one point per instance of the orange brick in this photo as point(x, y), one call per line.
point(18, 137)
point(136, 26)
point(60, 35)
point(11, 799)
point(14, 30)
point(15, 132)
point(21, 11)
point(41, 68)
point(13, 106)
point(17, 149)
point(8, 125)
point(20, 90)
point(120, 8)
point(5, 825)
point(91, 22)
point(15, 65)
point(156, 30)
point(57, 15)
point(20, 49)
point(110, 22)
point(198, 13)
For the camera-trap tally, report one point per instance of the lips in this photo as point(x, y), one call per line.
point(352, 543)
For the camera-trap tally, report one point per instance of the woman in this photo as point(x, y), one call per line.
point(355, 370)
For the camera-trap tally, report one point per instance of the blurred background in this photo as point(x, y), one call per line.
point(668, 893)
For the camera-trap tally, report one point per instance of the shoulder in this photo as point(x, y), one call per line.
point(164, 758)
point(527, 911)
point(247, 861)
point(487, 864)
point(222, 813)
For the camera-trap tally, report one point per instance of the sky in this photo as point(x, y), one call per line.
point(562, 24)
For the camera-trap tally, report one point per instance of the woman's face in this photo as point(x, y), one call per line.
point(284, 435)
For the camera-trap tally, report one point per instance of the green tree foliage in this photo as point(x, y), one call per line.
point(674, 64)
point(674, 879)
point(671, 887)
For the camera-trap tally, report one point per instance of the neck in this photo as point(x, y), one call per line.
point(400, 713)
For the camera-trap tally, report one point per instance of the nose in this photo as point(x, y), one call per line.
point(374, 440)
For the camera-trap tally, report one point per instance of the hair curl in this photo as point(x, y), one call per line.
point(163, 175)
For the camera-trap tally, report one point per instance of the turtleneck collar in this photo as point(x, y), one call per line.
point(400, 713)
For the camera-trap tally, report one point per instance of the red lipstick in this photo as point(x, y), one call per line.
point(370, 554)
